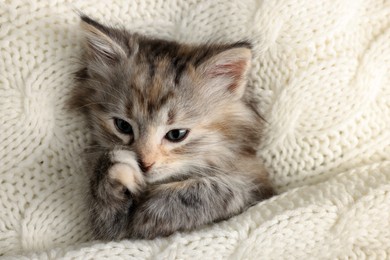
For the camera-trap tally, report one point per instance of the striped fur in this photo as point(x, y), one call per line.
point(156, 86)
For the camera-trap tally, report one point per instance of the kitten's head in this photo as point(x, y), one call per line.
point(178, 107)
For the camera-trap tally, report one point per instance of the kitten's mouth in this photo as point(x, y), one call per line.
point(162, 176)
point(154, 176)
point(150, 174)
point(151, 177)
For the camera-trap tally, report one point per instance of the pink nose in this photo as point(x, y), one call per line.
point(145, 167)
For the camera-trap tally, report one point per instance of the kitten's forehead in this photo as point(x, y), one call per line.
point(152, 89)
point(156, 91)
point(162, 80)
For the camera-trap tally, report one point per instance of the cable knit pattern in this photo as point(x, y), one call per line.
point(320, 77)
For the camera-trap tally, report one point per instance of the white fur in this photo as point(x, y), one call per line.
point(126, 170)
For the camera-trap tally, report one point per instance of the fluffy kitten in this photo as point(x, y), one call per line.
point(173, 142)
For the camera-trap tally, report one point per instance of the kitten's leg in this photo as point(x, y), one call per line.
point(184, 205)
point(117, 180)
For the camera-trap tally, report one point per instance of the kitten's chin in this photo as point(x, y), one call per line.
point(159, 176)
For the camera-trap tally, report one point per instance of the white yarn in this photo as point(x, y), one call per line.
point(320, 77)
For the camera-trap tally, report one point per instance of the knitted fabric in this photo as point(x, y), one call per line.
point(320, 77)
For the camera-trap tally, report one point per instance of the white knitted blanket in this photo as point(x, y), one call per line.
point(321, 77)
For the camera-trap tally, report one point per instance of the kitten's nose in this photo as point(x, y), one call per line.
point(145, 167)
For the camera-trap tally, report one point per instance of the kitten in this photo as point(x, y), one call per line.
point(173, 141)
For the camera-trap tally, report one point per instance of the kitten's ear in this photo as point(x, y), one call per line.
point(227, 70)
point(101, 45)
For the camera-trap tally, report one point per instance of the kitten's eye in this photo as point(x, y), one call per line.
point(177, 135)
point(123, 126)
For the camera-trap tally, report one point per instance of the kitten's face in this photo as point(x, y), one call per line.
point(177, 107)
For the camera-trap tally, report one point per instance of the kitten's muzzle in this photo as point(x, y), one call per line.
point(145, 167)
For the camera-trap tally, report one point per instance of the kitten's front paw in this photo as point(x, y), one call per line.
point(126, 171)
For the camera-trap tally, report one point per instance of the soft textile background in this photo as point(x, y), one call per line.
point(320, 78)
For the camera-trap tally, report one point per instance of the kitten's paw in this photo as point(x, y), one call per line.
point(126, 170)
